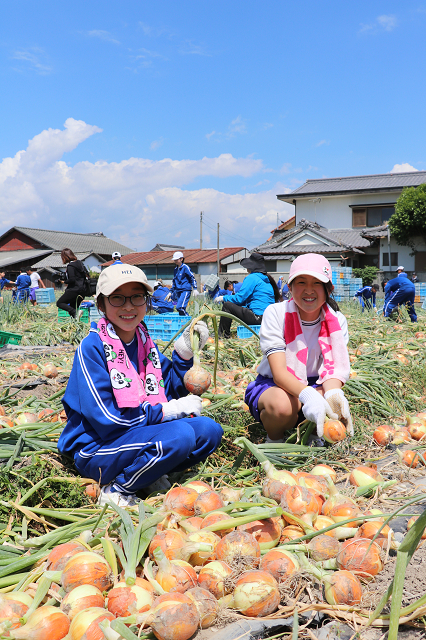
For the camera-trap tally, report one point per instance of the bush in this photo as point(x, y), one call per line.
point(409, 219)
point(368, 274)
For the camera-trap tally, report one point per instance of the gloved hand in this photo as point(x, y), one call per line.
point(315, 408)
point(375, 309)
point(176, 409)
point(218, 299)
point(338, 403)
point(354, 298)
point(168, 297)
point(195, 292)
point(183, 343)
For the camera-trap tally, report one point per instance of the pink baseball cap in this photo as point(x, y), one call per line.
point(310, 264)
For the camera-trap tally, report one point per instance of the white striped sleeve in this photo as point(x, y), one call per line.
point(272, 329)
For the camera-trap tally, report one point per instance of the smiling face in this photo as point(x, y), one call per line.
point(125, 319)
point(309, 294)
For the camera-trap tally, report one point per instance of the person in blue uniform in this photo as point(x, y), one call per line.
point(130, 420)
point(116, 256)
point(259, 290)
point(237, 286)
point(23, 284)
point(183, 283)
point(228, 289)
point(400, 291)
point(158, 299)
point(367, 297)
point(3, 282)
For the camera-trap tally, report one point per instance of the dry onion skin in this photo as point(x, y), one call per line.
point(173, 616)
point(274, 489)
point(45, 623)
point(80, 598)
point(206, 502)
point(267, 531)
point(85, 624)
point(59, 556)
point(236, 546)
point(198, 558)
point(214, 518)
point(197, 380)
point(280, 564)
point(342, 587)
point(176, 575)
point(206, 604)
point(334, 431)
point(14, 605)
point(87, 568)
point(323, 547)
point(181, 500)
point(361, 556)
point(125, 600)
point(170, 541)
point(256, 594)
point(213, 578)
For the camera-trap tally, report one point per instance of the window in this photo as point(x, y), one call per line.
point(359, 217)
point(150, 272)
point(271, 266)
point(193, 267)
point(394, 259)
point(165, 272)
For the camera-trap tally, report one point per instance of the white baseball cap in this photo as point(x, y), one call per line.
point(177, 255)
point(116, 254)
point(400, 269)
point(117, 274)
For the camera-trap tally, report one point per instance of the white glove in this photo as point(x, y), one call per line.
point(218, 299)
point(315, 408)
point(168, 297)
point(195, 292)
point(338, 403)
point(183, 343)
point(176, 409)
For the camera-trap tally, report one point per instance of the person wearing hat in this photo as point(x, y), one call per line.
point(258, 291)
point(116, 256)
point(183, 283)
point(400, 270)
point(414, 278)
point(130, 420)
point(365, 294)
point(159, 299)
point(400, 291)
point(305, 357)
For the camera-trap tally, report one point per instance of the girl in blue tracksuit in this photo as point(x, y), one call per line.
point(158, 300)
point(129, 416)
point(400, 291)
point(183, 283)
point(23, 283)
point(365, 294)
point(259, 290)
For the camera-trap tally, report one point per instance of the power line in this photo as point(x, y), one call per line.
point(229, 233)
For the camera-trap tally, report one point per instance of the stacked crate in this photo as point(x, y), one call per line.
point(345, 286)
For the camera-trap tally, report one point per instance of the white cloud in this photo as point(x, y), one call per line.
point(103, 35)
point(238, 125)
point(321, 142)
point(189, 47)
point(137, 201)
point(381, 23)
point(33, 58)
point(155, 144)
point(209, 135)
point(403, 168)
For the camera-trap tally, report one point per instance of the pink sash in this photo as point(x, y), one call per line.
point(331, 340)
point(131, 388)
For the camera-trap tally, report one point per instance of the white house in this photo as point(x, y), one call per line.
point(354, 206)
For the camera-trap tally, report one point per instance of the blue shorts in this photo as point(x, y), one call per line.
point(261, 384)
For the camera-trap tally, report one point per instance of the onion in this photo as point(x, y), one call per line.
point(85, 624)
point(14, 605)
point(199, 486)
point(409, 458)
point(303, 503)
point(212, 577)
point(286, 477)
point(360, 555)
point(362, 476)
point(334, 431)
point(28, 366)
point(197, 380)
point(48, 415)
point(256, 594)
point(413, 419)
point(59, 556)
point(417, 430)
point(171, 542)
point(401, 435)
point(26, 418)
point(189, 525)
point(346, 511)
point(333, 501)
point(87, 568)
point(206, 604)
point(237, 545)
point(230, 495)
point(324, 470)
point(207, 501)
point(342, 587)
point(279, 563)
point(92, 491)
point(315, 483)
point(174, 616)
point(50, 371)
point(181, 500)
point(2, 410)
point(323, 547)
point(217, 516)
point(6, 422)
point(45, 623)
point(81, 598)
point(125, 600)
point(369, 530)
point(195, 556)
point(267, 531)
point(340, 533)
point(175, 575)
point(383, 435)
point(274, 489)
point(411, 522)
point(291, 532)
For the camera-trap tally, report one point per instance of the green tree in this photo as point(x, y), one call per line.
point(409, 219)
point(368, 274)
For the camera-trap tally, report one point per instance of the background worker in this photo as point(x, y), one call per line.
point(36, 283)
point(75, 278)
point(414, 278)
point(23, 284)
point(3, 281)
point(158, 299)
point(183, 283)
point(400, 291)
point(367, 294)
point(400, 270)
point(259, 290)
point(228, 289)
point(116, 256)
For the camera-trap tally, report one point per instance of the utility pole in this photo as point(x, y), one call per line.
point(218, 251)
point(278, 220)
point(201, 229)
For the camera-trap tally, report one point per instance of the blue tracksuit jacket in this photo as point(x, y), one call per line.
point(256, 293)
point(183, 279)
point(400, 291)
point(128, 447)
point(23, 283)
point(365, 294)
point(159, 302)
point(4, 281)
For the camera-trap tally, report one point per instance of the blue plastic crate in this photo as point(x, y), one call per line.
point(243, 333)
point(95, 314)
point(165, 325)
point(45, 296)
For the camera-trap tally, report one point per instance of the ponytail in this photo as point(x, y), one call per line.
point(329, 296)
point(277, 294)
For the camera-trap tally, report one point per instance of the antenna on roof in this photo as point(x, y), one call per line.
point(315, 200)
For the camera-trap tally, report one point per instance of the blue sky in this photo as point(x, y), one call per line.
point(131, 117)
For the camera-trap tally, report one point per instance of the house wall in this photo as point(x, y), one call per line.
point(334, 212)
point(91, 261)
point(16, 241)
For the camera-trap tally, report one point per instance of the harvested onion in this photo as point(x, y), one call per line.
point(206, 604)
point(181, 500)
point(174, 616)
point(170, 541)
point(81, 598)
point(45, 622)
point(342, 587)
point(256, 594)
point(85, 624)
point(214, 518)
point(87, 568)
point(334, 431)
point(206, 502)
point(279, 563)
point(14, 605)
point(59, 556)
point(267, 531)
point(362, 476)
point(237, 545)
point(360, 555)
point(125, 600)
point(213, 578)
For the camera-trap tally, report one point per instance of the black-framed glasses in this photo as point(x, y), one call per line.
point(116, 300)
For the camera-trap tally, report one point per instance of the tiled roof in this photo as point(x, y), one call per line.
point(8, 258)
point(349, 236)
point(191, 256)
point(356, 184)
point(295, 249)
point(89, 242)
point(54, 259)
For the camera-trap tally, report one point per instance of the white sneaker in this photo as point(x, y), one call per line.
point(162, 485)
point(269, 441)
point(108, 496)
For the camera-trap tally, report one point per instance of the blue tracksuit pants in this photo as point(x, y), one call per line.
point(397, 298)
point(182, 301)
point(364, 303)
point(159, 309)
point(142, 455)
